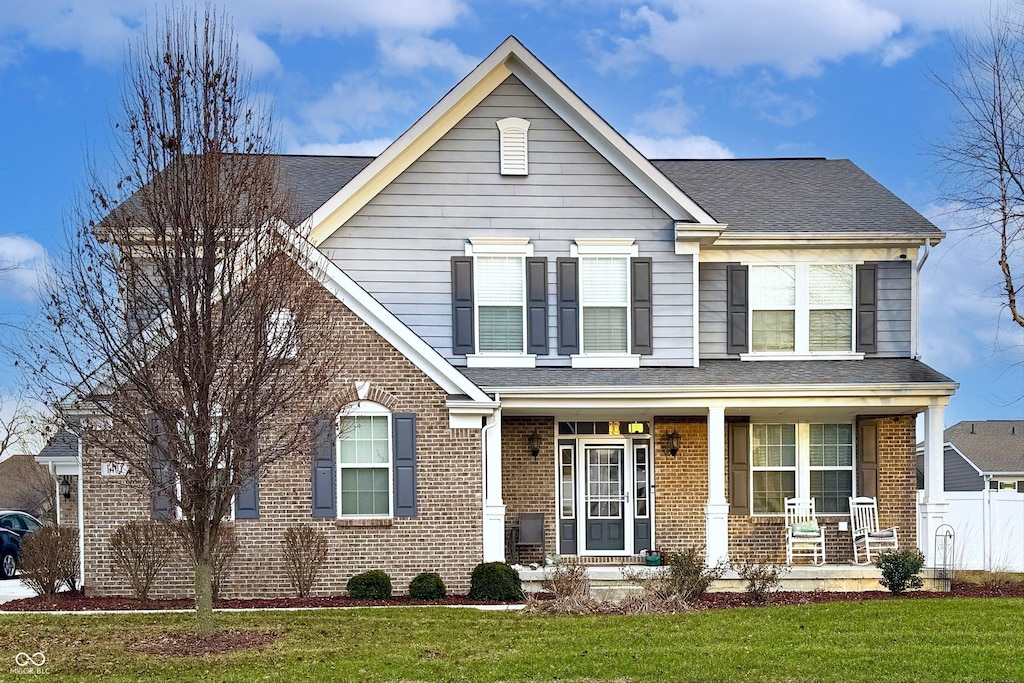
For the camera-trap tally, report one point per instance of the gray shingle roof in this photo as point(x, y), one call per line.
point(718, 373)
point(315, 179)
point(793, 195)
point(63, 444)
point(994, 445)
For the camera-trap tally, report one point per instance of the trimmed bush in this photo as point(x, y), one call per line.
point(427, 586)
point(900, 569)
point(139, 551)
point(762, 579)
point(495, 581)
point(373, 585)
point(305, 553)
point(49, 559)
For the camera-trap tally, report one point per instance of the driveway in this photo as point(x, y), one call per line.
point(12, 590)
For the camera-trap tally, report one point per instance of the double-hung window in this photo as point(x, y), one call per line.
point(801, 461)
point(604, 299)
point(364, 462)
point(500, 303)
point(801, 308)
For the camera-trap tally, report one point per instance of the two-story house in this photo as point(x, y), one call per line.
point(648, 352)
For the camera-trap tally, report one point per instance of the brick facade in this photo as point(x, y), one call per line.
point(528, 483)
point(445, 536)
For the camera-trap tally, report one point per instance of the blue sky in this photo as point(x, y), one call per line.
point(680, 78)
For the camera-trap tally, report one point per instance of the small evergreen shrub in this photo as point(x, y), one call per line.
point(372, 585)
point(900, 569)
point(495, 581)
point(49, 559)
point(427, 586)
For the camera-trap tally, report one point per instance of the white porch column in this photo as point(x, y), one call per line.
point(716, 511)
point(933, 509)
point(494, 506)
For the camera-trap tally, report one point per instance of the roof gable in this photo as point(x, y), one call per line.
point(510, 58)
point(992, 446)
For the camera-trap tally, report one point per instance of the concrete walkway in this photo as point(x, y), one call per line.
point(13, 589)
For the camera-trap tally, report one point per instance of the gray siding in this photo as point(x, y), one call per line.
point(958, 475)
point(895, 301)
point(894, 310)
point(398, 247)
point(713, 321)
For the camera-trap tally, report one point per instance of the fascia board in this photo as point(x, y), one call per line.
point(746, 392)
point(605, 139)
point(393, 330)
point(733, 238)
point(400, 154)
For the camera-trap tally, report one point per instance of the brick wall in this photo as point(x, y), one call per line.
point(69, 507)
point(680, 483)
point(897, 477)
point(445, 536)
point(528, 483)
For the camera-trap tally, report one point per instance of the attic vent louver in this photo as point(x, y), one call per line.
point(514, 159)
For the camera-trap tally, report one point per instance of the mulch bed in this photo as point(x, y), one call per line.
point(75, 601)
point(192, 645)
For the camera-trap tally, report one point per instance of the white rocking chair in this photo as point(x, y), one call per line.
point(866, 534)
point(804, 538)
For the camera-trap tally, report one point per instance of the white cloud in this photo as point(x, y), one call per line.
point(411, 53)
point(796, 37)
point(669, 117)
point(773, 106)
point(359, 148)
point(22, 263)
point(99, 30)
point(682, 147)
point(356, 104)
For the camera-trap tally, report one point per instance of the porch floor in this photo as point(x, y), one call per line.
point(608, 580)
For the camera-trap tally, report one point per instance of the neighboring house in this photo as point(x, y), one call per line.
point(984, 484)
point(650, 353)
point(979, 455)
point(27, 486)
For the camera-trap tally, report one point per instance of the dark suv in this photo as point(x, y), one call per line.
point(13, 527)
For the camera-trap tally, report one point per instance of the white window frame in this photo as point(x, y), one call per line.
point(364, 409)
point(627, 250)
point(218, 414)
point(281, 328)
point(510, 247)
point(802, 308)
point(803, 466)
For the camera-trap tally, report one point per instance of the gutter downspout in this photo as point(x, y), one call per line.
point(917, 298)
point(81, 517)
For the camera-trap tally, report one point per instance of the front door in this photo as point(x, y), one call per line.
point(605, 497)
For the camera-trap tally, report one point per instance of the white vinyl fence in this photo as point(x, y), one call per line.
point(988, 527)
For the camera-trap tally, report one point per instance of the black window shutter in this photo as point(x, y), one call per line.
point(640, 303)
point(739, 468)
point(163, 476)
point(324, 479)
point(568, 298)
point(736, 308)
point(537, 305)
point(867, 458)
point(404, 444)
point(247, 498)
point(867, 308)
point(463, 341)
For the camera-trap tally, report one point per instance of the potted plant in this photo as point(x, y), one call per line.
point(653, 558)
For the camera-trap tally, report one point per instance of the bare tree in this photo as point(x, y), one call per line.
point(180, 323)
point(983, 157)
point(23, 431)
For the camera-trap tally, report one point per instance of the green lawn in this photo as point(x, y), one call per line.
point(899, 640)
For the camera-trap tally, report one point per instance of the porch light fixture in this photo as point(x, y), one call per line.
point(534, 443)
point(671, 443)
point(65, 487)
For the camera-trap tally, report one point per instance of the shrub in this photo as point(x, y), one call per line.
point(688, 577)
point(225, 550)
point(373, 585)
point(427, 586)
point(495, 581)
point(140, 550)
point(305, 552)
point(762, 579)
point(569, 592)
point(900, 569)
point(49, 559)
